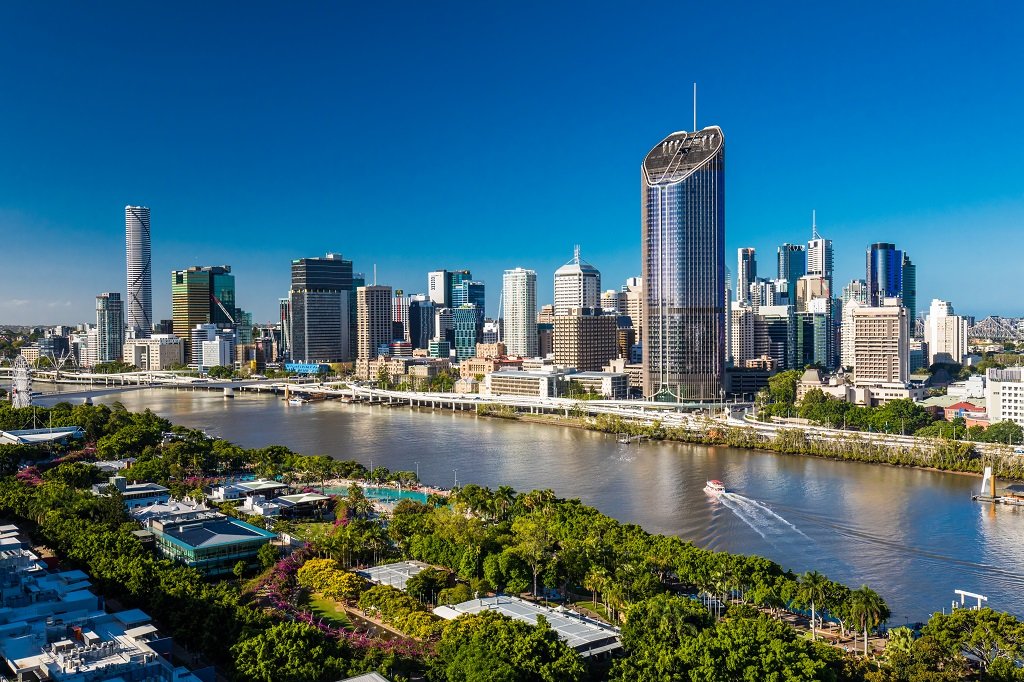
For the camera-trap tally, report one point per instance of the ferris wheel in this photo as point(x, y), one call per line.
point(21, 383)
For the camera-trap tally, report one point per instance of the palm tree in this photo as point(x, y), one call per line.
point(868, 610)
point(812, 591)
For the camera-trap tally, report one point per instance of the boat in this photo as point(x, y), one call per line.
point(297, 401)
point(714, 487)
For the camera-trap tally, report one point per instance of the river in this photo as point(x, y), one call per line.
point(912, 535)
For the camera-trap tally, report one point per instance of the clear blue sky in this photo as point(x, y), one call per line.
point(493, 135)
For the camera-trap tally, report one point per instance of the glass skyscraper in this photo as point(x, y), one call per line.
point(321, 322)
point(884, 272)
point(683, 232)
point(140, 270)
point(792, 266)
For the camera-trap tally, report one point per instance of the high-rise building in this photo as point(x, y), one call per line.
point(945, 333)
point(373, 305)
point(464, 321)
point(320, 305)
point(884, 270)
point(881, 343)
point(908, 290)
point(856, 290)
point(400, 309)
point(746, 273)
point(421, 320)
point(109, 327)
point(819, 255)
point(202, 295)
point(612, 300)
point(683, 255)
point(440, 284)
point(284, 309)
point(813, 338)
point(577, 285)
point(138, 256)
point(585, 338)
point(775, 335)
point(635, 304)
point(741, 335)
point(519, 324)
point(792, 263)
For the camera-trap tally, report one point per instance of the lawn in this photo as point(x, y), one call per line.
point(311, 531)
point(329, 610)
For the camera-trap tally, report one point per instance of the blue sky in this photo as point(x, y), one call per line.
point(417, 136)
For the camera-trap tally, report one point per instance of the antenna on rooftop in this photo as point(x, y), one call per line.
point(576, 253)
point(814, 224)
point(374, 274)
point(695, 106)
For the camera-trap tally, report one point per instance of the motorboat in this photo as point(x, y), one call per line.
point(297, 401)
point(714, 487)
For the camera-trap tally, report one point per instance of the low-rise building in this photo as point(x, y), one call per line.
point(482, 366)
point(159, 352)
point(207, 540)
point(303, 505)
point(134, 494)
point(52, 627)
point(1004, 395)
point(517, 382)
point(610, 385)
point(242, 489)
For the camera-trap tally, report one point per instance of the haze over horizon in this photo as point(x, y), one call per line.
point(426, 137)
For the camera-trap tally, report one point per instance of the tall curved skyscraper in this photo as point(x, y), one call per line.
point(140, 270)
point(683, 225)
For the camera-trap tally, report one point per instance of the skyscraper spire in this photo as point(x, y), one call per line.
point(814, 225)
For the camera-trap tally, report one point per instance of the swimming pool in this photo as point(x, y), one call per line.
point(385, 494)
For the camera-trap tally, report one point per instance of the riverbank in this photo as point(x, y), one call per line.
point(940, 455)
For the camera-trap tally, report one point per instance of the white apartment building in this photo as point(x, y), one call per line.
point(1004, 395)
point(945, 333)
point(519, 295)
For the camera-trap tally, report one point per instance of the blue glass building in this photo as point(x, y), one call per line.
point(464, 320)
point(683, 251)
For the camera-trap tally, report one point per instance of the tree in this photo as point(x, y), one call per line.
point(812, 589)
point(534, 543)
point(220, 372)
point(985, 634)
point(868, 610)
point(488, 646)
point(239, 569)
point(656, 637)
point(1003, 432)
point(268, 555)
point(288, 652)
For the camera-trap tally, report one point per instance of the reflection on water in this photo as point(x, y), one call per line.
point(915, 536)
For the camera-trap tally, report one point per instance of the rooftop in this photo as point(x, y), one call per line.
point(586, 636)
point(395, 575)
point(207, 529)
point(680, 154)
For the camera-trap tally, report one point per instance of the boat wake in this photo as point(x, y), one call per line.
point(758, 516)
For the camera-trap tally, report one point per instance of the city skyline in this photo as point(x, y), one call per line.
point(288, 182)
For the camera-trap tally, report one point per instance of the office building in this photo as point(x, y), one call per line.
point(741, 333)
point(635, 304)
point(373, 306)
point(945, 334)
point(400, 309)
point(881, 343)
point(321, 319)
point(469, 292)
point(884, 271)
point(813, 338)
point(491, 332)
point(683, 255)
point(819, 255)
point(614, 301)
point(202, 295)
point(109, 327)
point(856, 290)
point(207, 541)
point(464, 323)
point(519, 325)
point(440, 285)
point(775, 336)
point(577, 285)
point(585, 339)
point(158, 352)
point(138, 257)
point(421, 320)
point(809, 288)
point(746, 273)
point(908, 291)
point(792, 265)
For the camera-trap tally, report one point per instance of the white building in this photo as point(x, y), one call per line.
point(635, 305)
point(519, 325)
point(158, 352)
point(741, 333)
point(140, 270)
point(577, 285)
point(217, 353)
point(1004, 395)
point(945, 333)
